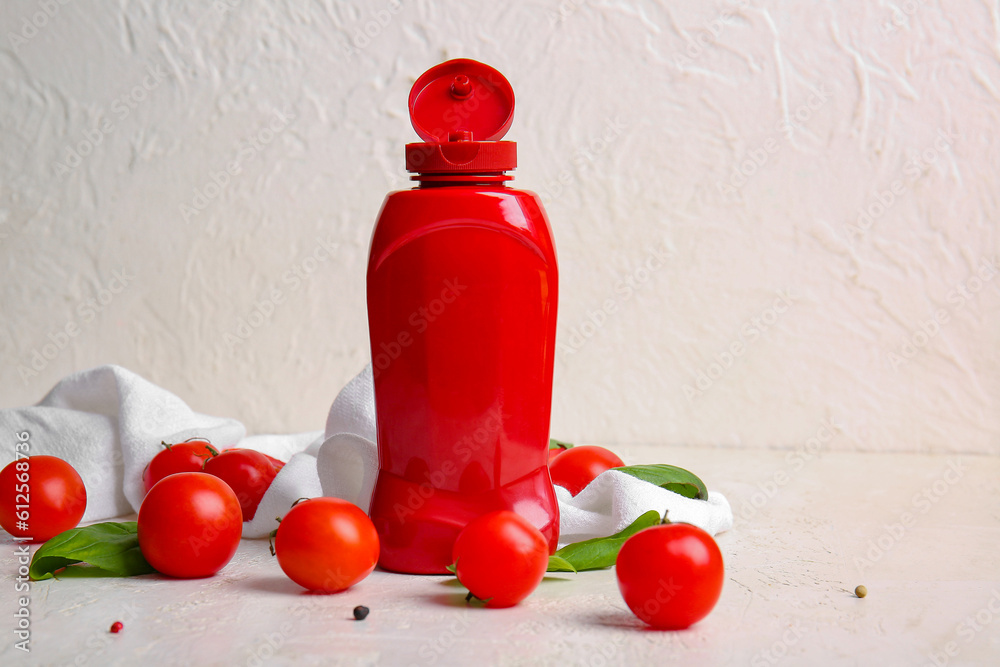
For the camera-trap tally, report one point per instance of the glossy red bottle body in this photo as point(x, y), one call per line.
point(462, 294)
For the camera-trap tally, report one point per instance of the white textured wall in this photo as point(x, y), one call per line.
point(630, 117)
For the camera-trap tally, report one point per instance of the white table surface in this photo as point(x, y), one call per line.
point(792, 565)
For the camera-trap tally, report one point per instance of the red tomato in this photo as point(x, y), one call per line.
point(670, 575)
point(40, 497)
point(277, 463)
point(187, 456)
point(500, 557)
point(577, 467)
point(326, 544)
point(247, 472)
point(190, 525)
point(558, 449)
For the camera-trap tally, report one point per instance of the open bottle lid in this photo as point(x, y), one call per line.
point(461, 108)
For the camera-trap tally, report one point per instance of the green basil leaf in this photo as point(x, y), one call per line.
point(108, 547)
point(670, 478)
point(559, 444)
point(601, 552)
point(557, 564)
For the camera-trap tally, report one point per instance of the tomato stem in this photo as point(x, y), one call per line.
point(270, 539)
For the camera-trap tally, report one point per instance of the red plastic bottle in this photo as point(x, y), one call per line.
point(462, 294)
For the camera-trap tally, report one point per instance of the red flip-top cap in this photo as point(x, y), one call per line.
point(461, 108)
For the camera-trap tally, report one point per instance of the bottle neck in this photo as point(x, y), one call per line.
point(437, 180)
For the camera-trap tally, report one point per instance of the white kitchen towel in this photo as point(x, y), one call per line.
point(614, 500)
point(108, 423)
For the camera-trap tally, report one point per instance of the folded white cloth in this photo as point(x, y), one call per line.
point(615, 499)
point(108, 423)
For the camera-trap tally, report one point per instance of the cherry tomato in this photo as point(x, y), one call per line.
point(326, 544)
point(277, 463)
point(189, 525)
point(556, 448)
point(247, 472)
point(187, 456)
point(670, 575)
point(40, 497)
point(577, 467)
point(500, 557)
